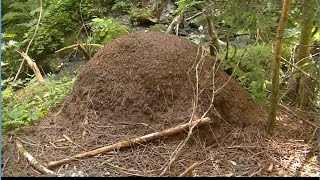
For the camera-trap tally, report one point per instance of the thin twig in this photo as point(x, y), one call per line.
point(29, 44)
point(303, 119)
point(297, 68)
point(76, 45)
point(196, 15)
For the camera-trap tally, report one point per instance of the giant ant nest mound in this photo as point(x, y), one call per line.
point(139, 84)
point(155, 78)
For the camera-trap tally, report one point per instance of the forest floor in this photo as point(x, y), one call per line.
point(147, 82)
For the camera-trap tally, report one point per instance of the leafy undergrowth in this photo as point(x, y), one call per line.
point(34, 101)
point(251, 67)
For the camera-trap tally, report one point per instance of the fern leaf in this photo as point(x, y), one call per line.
point(12, 16)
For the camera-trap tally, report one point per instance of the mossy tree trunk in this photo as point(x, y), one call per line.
point(305, 89)
point(214, 45)
point(276, 66)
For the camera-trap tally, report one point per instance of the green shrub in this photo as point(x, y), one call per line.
point(34, 101)
point(253, 69)
point(139, 13)
point(121, 7)
point(104, 30)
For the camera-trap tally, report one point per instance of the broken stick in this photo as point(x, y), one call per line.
point(175, 21)
point(36, 164)
point(189, 171)
point(131, 142)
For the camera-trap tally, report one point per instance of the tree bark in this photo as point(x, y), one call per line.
point(305, 90)
point(214, 46)
point(276, 66)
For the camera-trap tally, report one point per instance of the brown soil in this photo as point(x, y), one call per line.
point(143, 83)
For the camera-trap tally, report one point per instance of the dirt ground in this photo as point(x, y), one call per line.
point(147, 82)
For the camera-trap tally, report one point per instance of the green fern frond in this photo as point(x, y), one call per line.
point(13, 124)
point(13, 16)
point(24, 6)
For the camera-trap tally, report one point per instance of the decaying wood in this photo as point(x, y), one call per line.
point(173, 23)
point(33, 66)
point(84, 52)
point(36, 164)
point(131, 142)
point(189, 170)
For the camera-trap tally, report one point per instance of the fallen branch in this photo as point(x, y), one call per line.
point(131, 142)
point(36, 164)
point(33, 66)
point(196, 15)
point(76, 45)
point(297, 68)
point(173, 23)
point(84, 52)
point(188, 172)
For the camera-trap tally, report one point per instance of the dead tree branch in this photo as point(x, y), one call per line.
point(33, 66)
point(132, 142)
point(175, 21)
point(36, 164)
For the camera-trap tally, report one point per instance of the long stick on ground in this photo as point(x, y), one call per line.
point(131, 142)
point(36, 164)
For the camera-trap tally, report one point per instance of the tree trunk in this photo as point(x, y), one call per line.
point(214, 45)
point(276, 66)
point(305, 86)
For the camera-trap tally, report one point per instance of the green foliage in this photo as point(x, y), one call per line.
point(17, 17)
point(250, 16)
point(137, 13)
point(60, 20)
point(252, 71)
point(34, 101)
point(10, 58)
point(104, 30)
point(184, 5)
point(121, 6)
point(158, 27)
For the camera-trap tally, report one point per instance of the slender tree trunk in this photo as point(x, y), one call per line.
point(305, 87)
point(276, 66)
point(214, 45)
